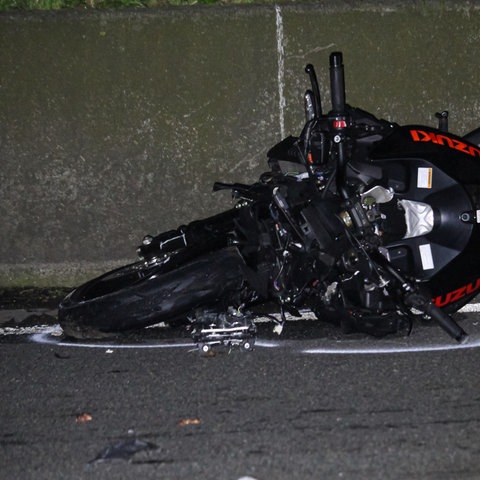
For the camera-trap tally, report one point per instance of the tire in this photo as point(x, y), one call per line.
point(138, 295)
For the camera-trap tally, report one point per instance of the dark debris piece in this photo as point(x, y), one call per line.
point(123, 450)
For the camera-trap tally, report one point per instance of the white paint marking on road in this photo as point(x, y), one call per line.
point(26, 330)
point(470, 307)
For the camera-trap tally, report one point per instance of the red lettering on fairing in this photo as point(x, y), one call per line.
point(456, 295)
point(445, 141)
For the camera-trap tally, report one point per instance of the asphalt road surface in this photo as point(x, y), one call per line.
point(310, 404)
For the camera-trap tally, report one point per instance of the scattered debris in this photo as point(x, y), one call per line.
point(231, 328)
point(61, 356)
point(83, 418)
point(278, 328)
point(189, 421)
point(123, 450)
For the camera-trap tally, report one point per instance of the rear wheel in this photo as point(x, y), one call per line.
point(139, 295)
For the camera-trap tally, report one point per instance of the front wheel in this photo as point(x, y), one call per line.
point(138, 295)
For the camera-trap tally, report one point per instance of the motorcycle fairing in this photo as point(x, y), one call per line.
point(425, 165)
point(452, 154)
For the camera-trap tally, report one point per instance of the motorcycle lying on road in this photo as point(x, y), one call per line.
point(364, 222)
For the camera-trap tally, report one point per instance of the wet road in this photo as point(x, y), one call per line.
point(312, 404)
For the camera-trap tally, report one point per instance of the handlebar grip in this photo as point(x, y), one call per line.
point(337, 83)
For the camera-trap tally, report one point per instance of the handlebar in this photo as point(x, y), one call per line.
point(316, 91)
point(337, 117)
point(337, 83)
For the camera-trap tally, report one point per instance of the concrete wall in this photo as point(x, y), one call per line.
point(113, 125)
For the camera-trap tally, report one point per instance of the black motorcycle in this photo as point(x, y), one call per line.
point(365, 223)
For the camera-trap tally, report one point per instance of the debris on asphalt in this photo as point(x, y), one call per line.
point(61, 356)
point(123, 450)
point(189, 421)
point(83, 418)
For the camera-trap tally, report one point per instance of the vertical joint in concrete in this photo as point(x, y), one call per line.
point(281, 69)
